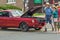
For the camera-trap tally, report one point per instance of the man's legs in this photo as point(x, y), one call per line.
point(49, 20)
point(46, 27)
point(46, 23)
point(52, 27)
point(52, 24)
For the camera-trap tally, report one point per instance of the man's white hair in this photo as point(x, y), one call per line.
point(47, 3)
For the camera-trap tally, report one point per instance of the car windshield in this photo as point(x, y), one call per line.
point(16, 13)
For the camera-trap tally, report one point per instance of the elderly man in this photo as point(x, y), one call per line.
point(48, 11)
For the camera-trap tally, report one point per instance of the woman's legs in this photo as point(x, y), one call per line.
point(55, 25)
point(58, 26)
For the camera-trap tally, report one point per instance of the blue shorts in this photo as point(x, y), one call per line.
point(48, 19)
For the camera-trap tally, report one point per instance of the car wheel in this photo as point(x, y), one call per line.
point(24, 27)
point(37, 28)
point(4, 28)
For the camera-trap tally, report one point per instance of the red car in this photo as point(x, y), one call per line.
point(20, 20)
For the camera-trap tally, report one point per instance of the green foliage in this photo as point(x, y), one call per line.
point(5, 7)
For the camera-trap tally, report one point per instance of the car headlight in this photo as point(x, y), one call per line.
point(33, 21)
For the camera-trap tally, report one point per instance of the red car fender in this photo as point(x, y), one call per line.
point(28, 21)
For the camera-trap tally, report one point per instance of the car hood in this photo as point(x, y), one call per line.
point(31, 11)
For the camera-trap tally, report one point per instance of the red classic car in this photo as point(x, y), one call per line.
point(20, 20)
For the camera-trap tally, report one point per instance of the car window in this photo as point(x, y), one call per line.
point(1, 13)
point(16, 13)
point(4, 14)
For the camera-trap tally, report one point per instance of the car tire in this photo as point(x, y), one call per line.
point(24, 27)
point(37, 28)
point(3, 28)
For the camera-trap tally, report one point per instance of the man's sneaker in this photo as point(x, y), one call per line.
point(45, 30)
point(52, 29)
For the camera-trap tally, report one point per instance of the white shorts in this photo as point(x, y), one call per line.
point(55, 19)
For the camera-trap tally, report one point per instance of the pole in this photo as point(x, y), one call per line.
point(24, 5)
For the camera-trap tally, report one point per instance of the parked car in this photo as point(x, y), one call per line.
point(20, 20)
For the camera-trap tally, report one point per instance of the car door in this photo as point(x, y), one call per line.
point(3, 19)
point(10, 20)
point(7, 19)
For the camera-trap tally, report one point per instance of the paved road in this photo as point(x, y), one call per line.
point(13, 34)
point(31, 35)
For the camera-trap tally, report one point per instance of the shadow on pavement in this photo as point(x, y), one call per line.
point(16, 30)
point(30, 31)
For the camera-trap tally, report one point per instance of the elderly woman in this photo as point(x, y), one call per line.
point(55, 17)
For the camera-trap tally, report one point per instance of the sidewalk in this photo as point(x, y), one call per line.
point(49, 29)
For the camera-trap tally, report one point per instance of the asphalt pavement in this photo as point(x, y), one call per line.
point(13, 34)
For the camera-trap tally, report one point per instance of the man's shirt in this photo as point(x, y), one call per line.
point(48, 11)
